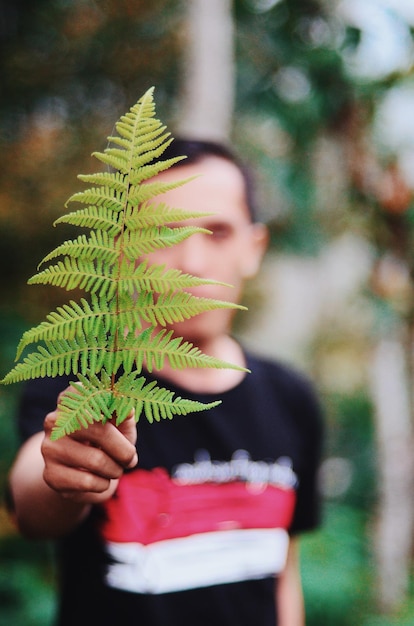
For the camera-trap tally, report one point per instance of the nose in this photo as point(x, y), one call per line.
point(194, 256)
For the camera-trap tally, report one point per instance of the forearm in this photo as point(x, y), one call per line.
point(38, 511)
point(291, 610)
point(54, 483)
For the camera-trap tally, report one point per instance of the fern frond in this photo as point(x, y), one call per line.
point(152, 351)
point(156, 402)
point(111, 180)
point(119, 141)
point(106, 341)
point(78, 274)
point(152, 148)
point(74, 319)
point(158, 278)
point(89, 402)
point(63, 357)
point(93, 217)
point(146, 240)
point(153, 141)
point(138, 124)
point(142, 113)
point(149, 171)
point(177, 306)
point(126, 127)
point(119, 163)
point(101, 196)
point(140, 193)
point(73, 273)
point(99, 245)
point(157, 215)
point(108, 316)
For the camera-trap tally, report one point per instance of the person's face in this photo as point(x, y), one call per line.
point(231, 254)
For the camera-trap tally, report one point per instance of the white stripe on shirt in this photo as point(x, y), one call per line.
point(199, 560)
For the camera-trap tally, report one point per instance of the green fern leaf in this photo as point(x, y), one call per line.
point(61, 357)
point(152, 140)
point(73, 319)
point(111, 180)
point(93, 217)
point(157, 278)
point(177, 306)
point(74, 273)
point(152, 350)
point(149, 171)
point(89, 402)
point(154, 238)
point(118, 163)
point(100, 245)
point(140, 193)
point(156, 402)
point(106, 341)
point(150, 215)
point(101, 196)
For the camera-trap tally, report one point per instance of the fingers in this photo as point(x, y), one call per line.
point(71, 453)
point(128, 428)
point(86, 465)
point(109, 439)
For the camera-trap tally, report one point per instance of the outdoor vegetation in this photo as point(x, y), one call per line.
point(328, 123)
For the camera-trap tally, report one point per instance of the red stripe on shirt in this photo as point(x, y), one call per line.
point(149, 506)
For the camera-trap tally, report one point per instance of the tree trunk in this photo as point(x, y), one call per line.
point(207, 99)
point(395, 517)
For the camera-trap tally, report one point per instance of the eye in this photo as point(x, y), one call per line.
point(220, 231)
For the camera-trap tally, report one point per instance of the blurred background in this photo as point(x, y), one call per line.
point(319, 96)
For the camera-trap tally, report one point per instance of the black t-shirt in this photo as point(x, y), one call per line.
point(198, 532)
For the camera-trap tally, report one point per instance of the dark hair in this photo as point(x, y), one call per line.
point(196, 150)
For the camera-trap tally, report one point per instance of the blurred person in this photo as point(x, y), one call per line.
point(203, 528)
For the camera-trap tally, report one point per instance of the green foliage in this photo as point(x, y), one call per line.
point(106, 341)
point(27, 596)
point(11, 327)
point(336, 572)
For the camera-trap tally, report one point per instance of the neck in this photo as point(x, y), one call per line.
point(211, 380)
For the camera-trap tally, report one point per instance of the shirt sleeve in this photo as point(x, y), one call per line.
point(308, 508)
